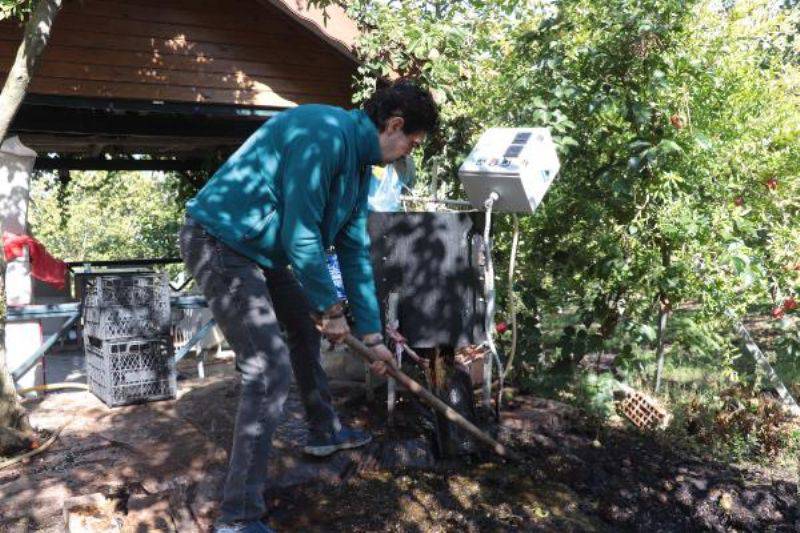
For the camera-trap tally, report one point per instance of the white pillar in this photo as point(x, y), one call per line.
point(22, 338)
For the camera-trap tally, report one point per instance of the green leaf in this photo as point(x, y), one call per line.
point(739, 264)
point(703, 142)
point(648, 332)
point(639, 145)
point(621, 186)
point(667, 146)
point(567, 141)
point(641, 114)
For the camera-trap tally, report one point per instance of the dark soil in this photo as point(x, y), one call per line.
point(165, 462)
point(571, 480)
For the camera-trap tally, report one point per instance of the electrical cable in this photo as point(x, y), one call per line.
point(490, 304)
point(512, 308)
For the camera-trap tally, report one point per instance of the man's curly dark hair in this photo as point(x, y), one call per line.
point(404, 98)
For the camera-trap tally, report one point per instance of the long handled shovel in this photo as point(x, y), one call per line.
point(451, 414)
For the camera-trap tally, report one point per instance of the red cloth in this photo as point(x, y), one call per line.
point(44, 266)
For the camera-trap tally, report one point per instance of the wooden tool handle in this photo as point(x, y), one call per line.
point(429, 398)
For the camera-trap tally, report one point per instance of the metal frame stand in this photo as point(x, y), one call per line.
point(199, 335)
point(72, 312)
point(391, 385)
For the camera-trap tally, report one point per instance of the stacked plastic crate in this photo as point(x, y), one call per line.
point(126, 333)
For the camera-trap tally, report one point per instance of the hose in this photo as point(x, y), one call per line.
point(53, 386)
point(49, 442)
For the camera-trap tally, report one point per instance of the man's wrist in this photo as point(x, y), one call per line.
point(334, 311)
point(372, 339)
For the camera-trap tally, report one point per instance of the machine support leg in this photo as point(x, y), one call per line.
point(391, 384)
point(487, 380)
point(201, 367)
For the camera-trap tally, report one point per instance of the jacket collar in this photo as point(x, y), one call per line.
point(367, 143)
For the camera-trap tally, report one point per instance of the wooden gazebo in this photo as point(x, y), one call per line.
point(176, 79)
point(174, 83)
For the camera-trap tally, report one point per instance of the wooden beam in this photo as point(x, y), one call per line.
point(118, 105)
point(93, 145)
point(35, 118)
point(99, 163)
point(124, 262)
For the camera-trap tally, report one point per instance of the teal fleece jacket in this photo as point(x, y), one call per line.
point(296, 187)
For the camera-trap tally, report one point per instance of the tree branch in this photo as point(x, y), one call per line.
point(37, 33)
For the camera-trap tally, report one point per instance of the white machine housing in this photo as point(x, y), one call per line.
point(518, 164)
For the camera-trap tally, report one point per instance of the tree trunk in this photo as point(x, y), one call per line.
point(15, 429)
point(761, 360)
point(663, 314)
point(37, 33)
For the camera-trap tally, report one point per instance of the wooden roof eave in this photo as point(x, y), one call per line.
point(331, 24)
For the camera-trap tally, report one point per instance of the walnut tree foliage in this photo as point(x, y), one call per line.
point(14, 8)
point(107, 215)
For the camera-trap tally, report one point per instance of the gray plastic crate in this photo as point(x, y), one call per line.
point(127, 306)
point(128, 371)
point(117, 322)
point(131, 290)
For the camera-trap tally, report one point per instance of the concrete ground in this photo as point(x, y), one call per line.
point(64, 367)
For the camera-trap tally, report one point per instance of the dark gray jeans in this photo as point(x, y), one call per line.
point(249, 302)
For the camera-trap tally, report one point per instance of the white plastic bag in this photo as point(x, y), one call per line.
point(384, 189)
point(387, 183)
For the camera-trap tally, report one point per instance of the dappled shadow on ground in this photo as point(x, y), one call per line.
point(573, 479)
point(163, 464)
